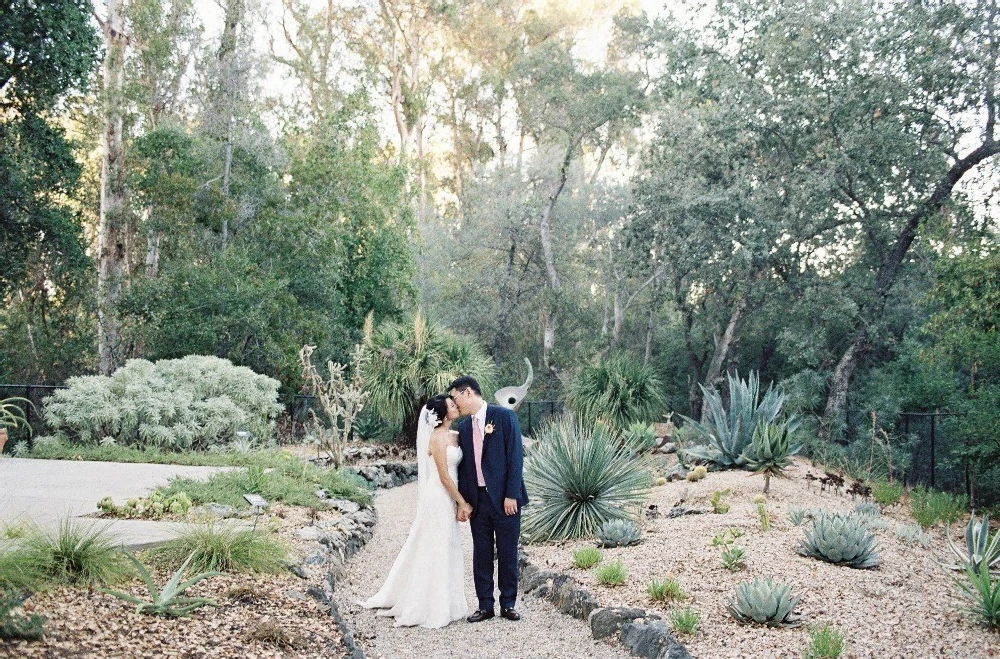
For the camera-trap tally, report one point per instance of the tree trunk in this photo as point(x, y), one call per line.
point(650, 327)
point(723, 344)
point(113, 225)
point(227, 57)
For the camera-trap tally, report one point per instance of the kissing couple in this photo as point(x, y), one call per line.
point(474, 475)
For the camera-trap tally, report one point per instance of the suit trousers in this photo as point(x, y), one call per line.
point(494, 530)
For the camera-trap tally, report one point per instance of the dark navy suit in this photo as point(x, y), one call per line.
point(502, 464)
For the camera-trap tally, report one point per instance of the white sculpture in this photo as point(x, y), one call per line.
point(512, 397)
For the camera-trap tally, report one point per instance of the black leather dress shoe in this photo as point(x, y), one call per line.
point(482, 614)
point(510, 614)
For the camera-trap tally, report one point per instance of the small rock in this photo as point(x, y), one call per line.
point(301, 571)
point(313, 533)
point(607, 622)
point(318, 558)
point(678, 473)
point(667, 447)
point(212, 511)
point(679, 511)
point(295, 595)
point(652, 640)
point(343, 505)
point(321, 493)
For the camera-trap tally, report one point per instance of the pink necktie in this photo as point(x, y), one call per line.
point(477, 448)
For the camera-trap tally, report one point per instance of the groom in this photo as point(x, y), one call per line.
point(490, 478)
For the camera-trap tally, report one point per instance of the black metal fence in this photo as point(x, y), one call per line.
point(534, 413)
point(36, 393)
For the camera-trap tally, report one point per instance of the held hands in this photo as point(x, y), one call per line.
point(510, 506)
point(464, 512)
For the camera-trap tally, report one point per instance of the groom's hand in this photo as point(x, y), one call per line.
point(510, 506)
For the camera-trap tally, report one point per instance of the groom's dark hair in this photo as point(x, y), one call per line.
point(463, 382)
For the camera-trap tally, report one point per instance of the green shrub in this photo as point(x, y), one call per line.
point(170, 601)
point(765, 602)
point(53, 449)
point(15, 625)
point(982, 590)
point(616, 392)
point(931, 508)
point(586, 557)
point(732, 558)
point(665, 590)
point(728, 435)
point(74, 554)
point(824, 643)
point(211, 547)
point(579, 479)
point(684, 621)
point(612, 574)
point(176, 404)
point(887, 494)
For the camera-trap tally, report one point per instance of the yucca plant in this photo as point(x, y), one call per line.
point(982, 589)
point(616, 392)
point(579, 479)
point(764, 602)
point(770, 451)
point(170, 600)
point(981, 547)
point(841, 540)
point(728, 435)
point(618, 533)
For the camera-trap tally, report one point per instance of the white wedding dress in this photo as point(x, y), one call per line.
point(425, 586)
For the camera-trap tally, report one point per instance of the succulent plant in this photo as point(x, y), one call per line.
point(980, 546)
point(868, 508)
point(797, 515)
point(697, 473)
point(765, 602)
point(841, 540)
point(618, 533)
point(770, 450)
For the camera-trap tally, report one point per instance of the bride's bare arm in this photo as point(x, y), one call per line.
point(439, 451)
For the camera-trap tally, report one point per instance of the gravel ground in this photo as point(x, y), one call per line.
point(542, 631)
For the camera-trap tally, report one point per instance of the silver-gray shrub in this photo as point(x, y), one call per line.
point(194, 402)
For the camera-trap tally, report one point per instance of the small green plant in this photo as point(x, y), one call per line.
point(930, 507)
point(770, 450)
point(586, 557)
point(665, 590)
point(14, 625)
point(170, 600)
point(765, 517)
point(256, 479)
point(74, 554)
point(213, 548)
point(13, 413)
point(797, 515)
point(841, 540)
point(727, 537)
point(718, 507)
point(155, 506)
point(887, 494)
point(368, 427)
point(640, 437)
point(982, 590)
point(824, 643)
point(684, 621)
point(15, 531)
point(765, 602)
point(867, 509)
point(732, 558)
point(618, 533)
point(612, 574)
point(912, 534)
point(980, 546)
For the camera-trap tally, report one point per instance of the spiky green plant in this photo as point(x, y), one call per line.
point(586, 557)
point(616, 391)
point(612, 574)
point(868, 509)
point(212, 547)
point(169, 601)
point(368, 427)
point(684, 621)
point(73, 553)
point(770, 451)
point(640, 436)
point(764, 602)
point(912, 534)
point(982, 589)
point(664, 590)
point(824, 643)
point(841, 540)
point(618, 533)
point(728, 435)
point(13, 413)
point(579, 478)
point(980, 546)
point(796, 515)
point(732, 558)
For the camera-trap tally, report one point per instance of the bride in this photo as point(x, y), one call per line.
point(425, 585)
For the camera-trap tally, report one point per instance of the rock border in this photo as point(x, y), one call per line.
point(641, 633)
point(383, 474)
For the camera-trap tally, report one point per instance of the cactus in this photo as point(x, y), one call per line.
point(618, 533)
point(764, 602)
point(841, 540)
point(697, 473)
point(980, 546)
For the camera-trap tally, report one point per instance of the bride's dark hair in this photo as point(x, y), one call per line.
point(439, 405)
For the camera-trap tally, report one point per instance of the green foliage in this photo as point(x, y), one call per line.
point(765, 602)
point(15, 625)
point(930, 507)
point(764, 515)
point(617, 391)
point(640, 436)
point(586, 557)
point(982, 589)
point(732, 558)
point(664, 590)
point(20, 569)
point(886, 493)
point(824, 643)
point(170, 601)
point(618, 533)
point(981, 547)
point(579, 479)
point(368, 427)
point(13, 413)
point(728, 435)
point(910, 535)
point(74, 554)
point(796, 515)
point(612, 574)
point(718, 507)
point(770, 451)
point(190, 403)
point(155, 506)
point(727, 537)
point(50, 448)
point(216, 547)
point(868, 509)
point(684, 621)
point(841, 540)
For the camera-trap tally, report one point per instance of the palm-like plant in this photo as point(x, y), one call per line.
point(407, 363)
point(169, 601)
point(729, 434)
point(617, 392)
point(580, 478)
point(770, 451)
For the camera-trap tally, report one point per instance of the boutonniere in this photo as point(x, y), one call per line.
point(488, 429)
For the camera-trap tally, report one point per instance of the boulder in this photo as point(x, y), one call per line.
point(608, 621)
point(652, 640)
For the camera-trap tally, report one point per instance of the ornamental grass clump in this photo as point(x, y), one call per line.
point(664, 590)
point(579, 479)
point(616, 392)
point(684, 621)
point(824, 643)
point(74, 554)
point(217, 548)
point(612, 574)
point(841, 540)
point(586, 557)
point(764, 602)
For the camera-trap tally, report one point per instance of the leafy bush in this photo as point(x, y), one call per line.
point(176, 404)
point(612, 574)
point(732, 558)
point(841, 540)
point(765, 602)
point(170, 600)
point(981, 548)
point(728, 435)
point(210, 547)
point(51, 448)
point(579, 479)
point(586, 557)
point(74, 554)
point(616, 392)
point(770, 451)
point(886, 493)
point(155, 506)
point(618, 533)
point(982, 589)
point(14, 625)
point(665, 590)
point(930, 507)
point(824, 643)
point(684, 621)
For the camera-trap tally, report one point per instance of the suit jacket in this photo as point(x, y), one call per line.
point(502, 462)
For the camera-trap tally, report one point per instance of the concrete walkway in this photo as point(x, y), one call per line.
point(542, 632)
point(44, 492)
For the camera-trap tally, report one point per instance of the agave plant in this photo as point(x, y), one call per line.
point(640, 436)
point(580, 478)
point(169, 601)
point(617, 392)
point(728, 435)
point(770, 451)
point(980, 546)
point(764, 602)
point(841, 540)
point(618, 533)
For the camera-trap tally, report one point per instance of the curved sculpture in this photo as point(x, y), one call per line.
point(512, 397)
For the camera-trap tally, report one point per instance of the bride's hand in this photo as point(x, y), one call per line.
point(464, 512)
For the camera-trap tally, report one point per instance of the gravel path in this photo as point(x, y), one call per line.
point(542, 631)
